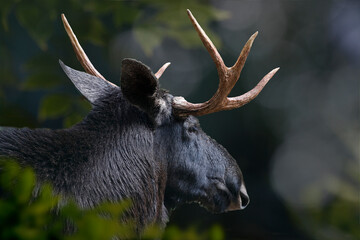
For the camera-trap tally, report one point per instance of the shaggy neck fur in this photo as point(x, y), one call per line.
point(109, 156)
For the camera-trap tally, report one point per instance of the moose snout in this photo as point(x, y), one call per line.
point(241, 202)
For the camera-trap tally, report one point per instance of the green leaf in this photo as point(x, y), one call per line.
point(42, 61)
point(124, 14)
point(5, 7)
point(186, 38)
point(54, 106)
point(148, 39)
point(216, 233)
point(172, 232)
point(96, 32)
point(36, 21)
point(114, 209)
point(24, 186)
point(72, 119)
point(8, 176)
point(8, 209)
point(152, 232)
point(41, 80)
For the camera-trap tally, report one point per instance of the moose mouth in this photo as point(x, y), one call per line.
point(216, 197)
point(223, 200)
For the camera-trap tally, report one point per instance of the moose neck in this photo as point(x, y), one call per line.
point(109, 156)
point(128, 134)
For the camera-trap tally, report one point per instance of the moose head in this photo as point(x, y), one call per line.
point(139, 142)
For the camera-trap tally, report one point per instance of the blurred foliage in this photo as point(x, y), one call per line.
point(174, 233)
point(94, 23)
point(23, 216)
point(336, 217)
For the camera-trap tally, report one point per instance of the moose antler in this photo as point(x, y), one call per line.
point(83, 58)
point(227, 80)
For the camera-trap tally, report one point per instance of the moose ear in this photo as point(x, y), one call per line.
point(90, 86)
point(139, 84)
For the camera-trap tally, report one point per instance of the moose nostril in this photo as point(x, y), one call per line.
point(244, 200)
point(244, 197)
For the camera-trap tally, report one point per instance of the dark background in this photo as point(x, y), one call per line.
point(297, 143)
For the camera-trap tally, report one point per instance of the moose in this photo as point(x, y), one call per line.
point(139, 142)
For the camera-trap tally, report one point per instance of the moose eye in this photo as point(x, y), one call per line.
point(192, 129)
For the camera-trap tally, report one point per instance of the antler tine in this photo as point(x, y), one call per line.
point(227, 80)
point(238, 66)
point(210, 47)
point(160, 72)
point(80, 54)
point(83, 58)
point(236, 102)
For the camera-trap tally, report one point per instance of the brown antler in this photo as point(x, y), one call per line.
point(84, 60)
point(227, 80)
point(162, 70)
point(80, 54)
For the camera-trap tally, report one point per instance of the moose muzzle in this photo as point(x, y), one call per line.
point(241, 202)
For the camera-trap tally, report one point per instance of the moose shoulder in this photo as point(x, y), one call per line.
point(138, 142)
